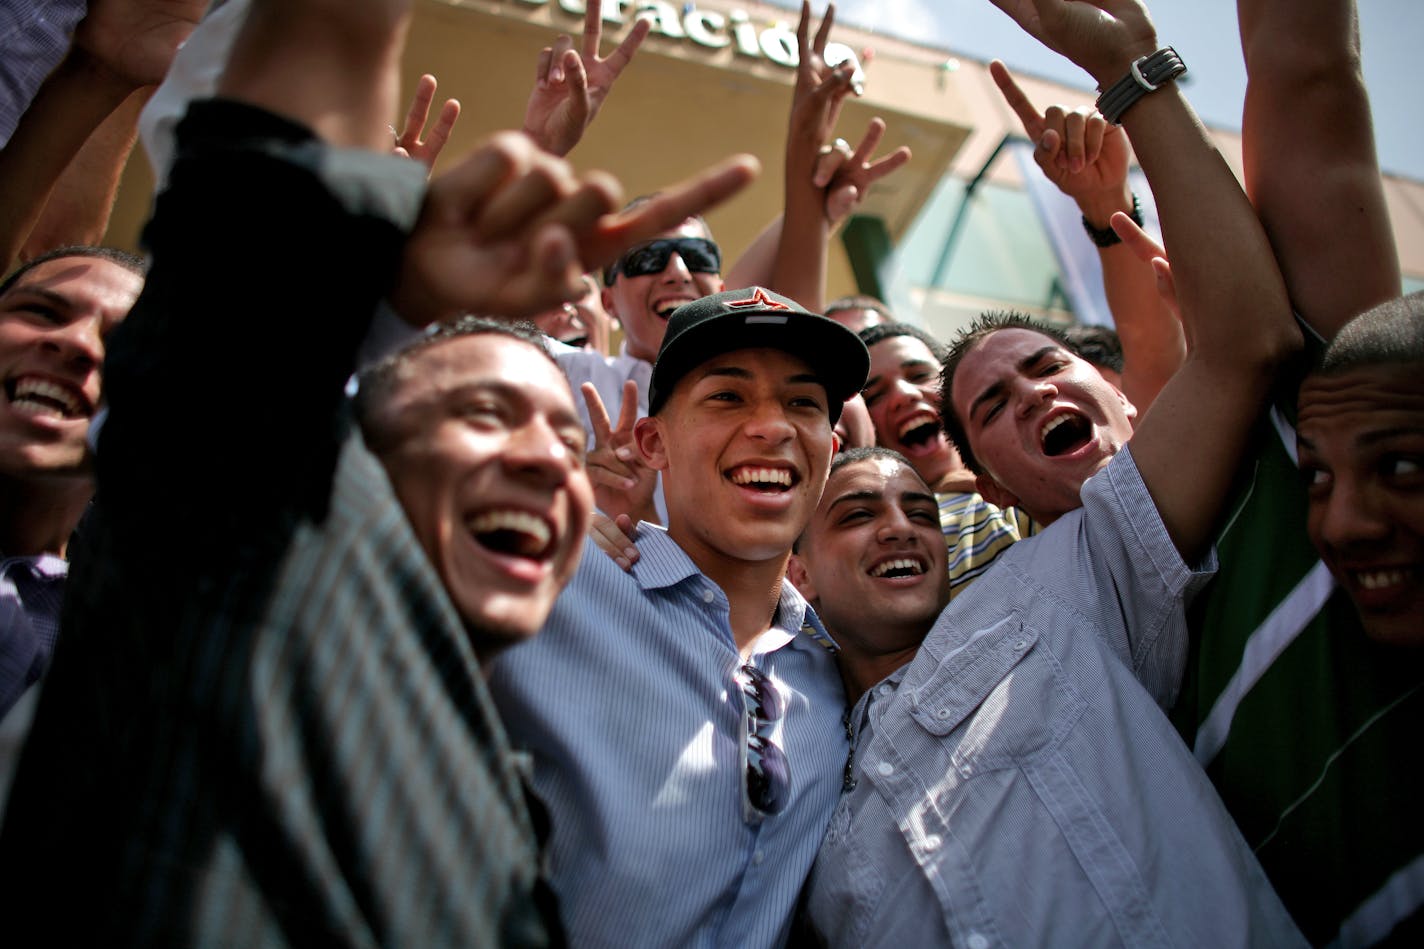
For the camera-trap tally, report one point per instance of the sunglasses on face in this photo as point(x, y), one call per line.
point(698, 254)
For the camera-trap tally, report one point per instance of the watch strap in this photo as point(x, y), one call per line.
point(1106, 236)
point(1146, 74)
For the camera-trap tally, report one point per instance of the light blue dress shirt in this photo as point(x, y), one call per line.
point(1017, 783)
point(629, 703)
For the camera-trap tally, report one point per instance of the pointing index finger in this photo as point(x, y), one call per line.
point(671, 207)
point(1016, 98)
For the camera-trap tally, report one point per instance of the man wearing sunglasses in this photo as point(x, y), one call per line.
point(685, 722)
point(649, 281)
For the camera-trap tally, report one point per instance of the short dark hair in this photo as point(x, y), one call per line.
point(376, 382)
point(880, 332)
point(1389, 334)
point(130, 262)
point(971, 336)
point(852, 455)
point(860, 301)
point(849, 457)
point(1098, 345)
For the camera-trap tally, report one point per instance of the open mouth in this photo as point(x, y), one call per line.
point(578, 342)
point(920, 430)
point(1065, 433)
point(40, 397)
point(664, 308)
point(898, 567)
point(768, 480)
point(513, 534)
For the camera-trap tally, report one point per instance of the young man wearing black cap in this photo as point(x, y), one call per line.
point(683, 717)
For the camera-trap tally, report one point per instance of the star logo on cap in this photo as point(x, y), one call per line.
point(758, 299)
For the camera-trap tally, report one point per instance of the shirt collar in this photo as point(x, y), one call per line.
point(43, 567)
point(662, 564)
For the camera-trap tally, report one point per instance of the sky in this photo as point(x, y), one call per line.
point(1204, 33)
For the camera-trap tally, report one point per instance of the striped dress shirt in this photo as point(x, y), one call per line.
point(976, 533)
point(264, 724)
point(629, 703)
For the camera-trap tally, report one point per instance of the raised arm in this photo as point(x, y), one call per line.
point(1233, 302)
point(323, 63)
point(570, 87)
point(820, 180)
point(1309, 152)
point(844, 177)
point(1087, 159)
point(60, 170)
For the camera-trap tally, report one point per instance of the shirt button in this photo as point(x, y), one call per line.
point(977, 941)
point(708, 596)
point(931, 843)
point(883, 689)
point(1020, 645)
point(941, 713)
point(758, 857)
point(885, 768)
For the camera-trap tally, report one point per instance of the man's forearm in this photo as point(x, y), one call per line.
point(81, 201)
point(330, 65)
point(1152, 343)
point(71, 104)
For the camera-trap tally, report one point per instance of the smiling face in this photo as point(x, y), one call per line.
point(485, 451)
point(1041, 421)
point(902, 394)
point(1361, 448)
point(872, 561)
point(743, 443)
point(643, 304)
point(53, 325)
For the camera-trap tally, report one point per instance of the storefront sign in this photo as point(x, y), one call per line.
point(710, 29)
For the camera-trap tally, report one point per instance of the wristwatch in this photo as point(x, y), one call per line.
point(1106, 236)
point(1146, 74)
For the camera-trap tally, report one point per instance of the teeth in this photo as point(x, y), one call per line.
point(665, 307)
point(534, 530)
point(1379, 579)
point(39, 397)
point(29, 407)
point(1053, 423)
point(762, 476)
point(915, 421)
point(916, 567)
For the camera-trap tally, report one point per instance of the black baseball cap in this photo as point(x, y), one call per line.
point(756, 318)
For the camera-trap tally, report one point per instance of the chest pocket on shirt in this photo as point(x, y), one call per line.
point(1010, 689)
